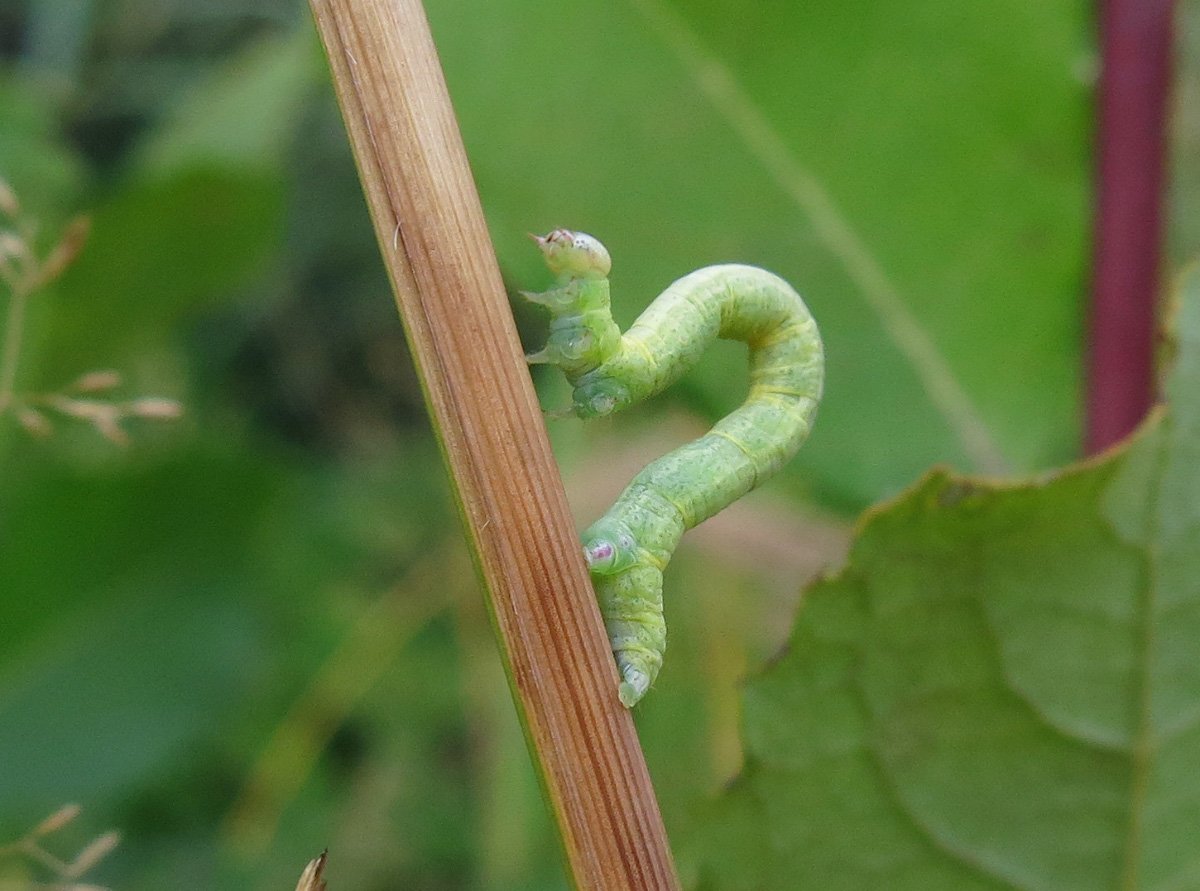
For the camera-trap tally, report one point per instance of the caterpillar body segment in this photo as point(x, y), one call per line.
point(629, 547)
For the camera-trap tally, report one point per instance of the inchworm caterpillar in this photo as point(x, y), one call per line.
point(628, 548)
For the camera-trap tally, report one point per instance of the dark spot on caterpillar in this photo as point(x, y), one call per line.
point(601, 551)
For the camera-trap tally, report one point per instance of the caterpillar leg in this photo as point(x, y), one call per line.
point(628, 583)
point(635, 682)
point(631, 604)
point(536, 297)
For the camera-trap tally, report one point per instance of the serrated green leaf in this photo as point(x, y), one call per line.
point(1000, 690)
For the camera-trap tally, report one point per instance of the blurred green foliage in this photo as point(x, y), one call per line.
point(171, 611)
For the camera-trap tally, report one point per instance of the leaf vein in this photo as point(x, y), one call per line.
point(764, 143)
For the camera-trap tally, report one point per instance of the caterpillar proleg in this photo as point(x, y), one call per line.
point(629, 547)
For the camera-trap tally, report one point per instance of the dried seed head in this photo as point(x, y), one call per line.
point(95, 851)
point(37, 424)
point(110, 429)
point(155, 407)
point(312, 879)
point(86, 409)
point(9, 205)
point(96, 381)
point(60, 817)
point(67, 249)
point(12, 245)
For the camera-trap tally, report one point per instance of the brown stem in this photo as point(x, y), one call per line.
point(435, 244)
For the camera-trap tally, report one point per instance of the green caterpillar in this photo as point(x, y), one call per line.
point(628, 548)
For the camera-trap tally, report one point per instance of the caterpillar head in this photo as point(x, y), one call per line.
point(574, 254)
point(609, 547)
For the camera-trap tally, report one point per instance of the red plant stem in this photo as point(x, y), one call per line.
point(1134, 88)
